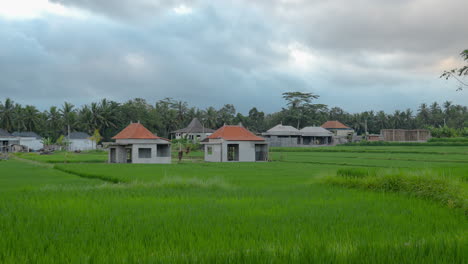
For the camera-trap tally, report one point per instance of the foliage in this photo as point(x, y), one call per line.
point(447, 132)
point(453, 139)
point(441, 186)
point(96, 137)
point(167, 115)
point(62, 141)
point(458, 72)
point(46, 141)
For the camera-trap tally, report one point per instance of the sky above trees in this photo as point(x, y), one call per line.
point(358, 55)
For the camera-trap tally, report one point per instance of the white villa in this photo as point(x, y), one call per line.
point(30, 140)
point(136, 144)
point(80, 141)
point(235, 144)
point(194, 132)
point(19, 141)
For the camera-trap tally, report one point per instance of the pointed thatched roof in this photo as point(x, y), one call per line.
point(194, 127)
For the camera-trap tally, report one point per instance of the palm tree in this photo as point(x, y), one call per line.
point(68, 115)
point(7, 114)
point(54, 122)
point(30, 117)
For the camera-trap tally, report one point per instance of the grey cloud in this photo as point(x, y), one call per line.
point(223, 52)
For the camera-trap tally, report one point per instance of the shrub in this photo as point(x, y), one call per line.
point(448, 189)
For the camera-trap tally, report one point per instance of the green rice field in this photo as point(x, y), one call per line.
point(347, 204)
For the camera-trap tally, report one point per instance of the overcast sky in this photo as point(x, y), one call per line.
point(359, 55)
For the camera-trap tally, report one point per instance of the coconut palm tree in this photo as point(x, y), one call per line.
point(7, 114)
point(68, 115)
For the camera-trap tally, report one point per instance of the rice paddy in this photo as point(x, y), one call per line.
point(307, 206)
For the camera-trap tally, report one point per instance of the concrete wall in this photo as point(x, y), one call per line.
point(154, 157)
point(31, 142)
point(343, 132)
point(121, 154)
point(192, 136)
point(220, 151)
point(275, 141)
point(81, 144)
point(215, 156)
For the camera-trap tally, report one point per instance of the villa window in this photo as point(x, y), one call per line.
point(144, 153)
point(209, 150)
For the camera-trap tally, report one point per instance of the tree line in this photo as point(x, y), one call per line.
point(166, 115)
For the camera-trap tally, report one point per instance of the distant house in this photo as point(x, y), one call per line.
point(282, 136)
point(235, 144)
point(338, 128)
point(30, 140)
point(194, 132)
point(7, 140)
point(288, 136)
point(136, 144)
point(80, 141)
point(316, 136)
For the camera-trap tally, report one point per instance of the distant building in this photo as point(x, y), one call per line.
point(282, 136)
point(7, 140)
point(404, 135)
point(235, 144)
point(338, 128)
point(288, 136)
point(316, 136)
point(194, 132)
point(30, 140)
point(136, 144)
point(80, 141)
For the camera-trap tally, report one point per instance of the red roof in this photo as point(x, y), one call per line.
point(334, 125)
point(235, 133)
point(135, 131)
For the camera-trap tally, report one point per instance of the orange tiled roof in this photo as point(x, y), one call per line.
point(334, 124)
point(235, 133)
point(135, 131)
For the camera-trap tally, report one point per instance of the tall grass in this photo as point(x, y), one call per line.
point(439, 185)
point(456, 139)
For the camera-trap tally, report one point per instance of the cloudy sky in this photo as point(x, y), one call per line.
point(359, 55)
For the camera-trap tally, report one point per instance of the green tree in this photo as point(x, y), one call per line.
point(67, 113)
point(458, 73)
point(298, 104)
point(7, 114)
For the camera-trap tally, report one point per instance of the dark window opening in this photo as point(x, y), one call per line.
point(233, 152)
point(209, 150)
point(261, 152)
point(144, 153)
point(164, 151)
point(129, 155)
point(112, 155)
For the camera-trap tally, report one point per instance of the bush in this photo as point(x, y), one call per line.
point(450, 190)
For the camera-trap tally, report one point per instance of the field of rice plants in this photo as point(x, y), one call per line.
point(323, 205)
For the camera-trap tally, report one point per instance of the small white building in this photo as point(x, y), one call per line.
point(136, 144)
point(194, 132)
point(80, 141)
point(7, 140)
point(235, 144)
point(31, 140)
